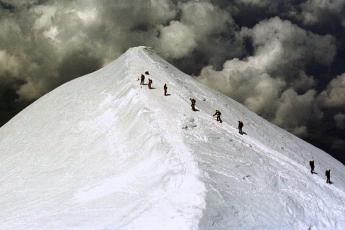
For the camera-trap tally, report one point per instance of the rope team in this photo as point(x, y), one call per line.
point(218, 118)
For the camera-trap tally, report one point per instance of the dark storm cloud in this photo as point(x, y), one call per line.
point(334, 94)
point(269, 81)
point(282, 59)
point(38, 39)
point(340, 120)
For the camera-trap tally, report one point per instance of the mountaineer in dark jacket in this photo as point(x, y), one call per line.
point(142, 79)
point(240, 126)
point(328, 176)
point(312, 166)
point(192, 100)
point(217, 114)
point(150, 84)
point(165, 90)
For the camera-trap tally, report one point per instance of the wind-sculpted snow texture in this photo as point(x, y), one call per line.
point(103, 152)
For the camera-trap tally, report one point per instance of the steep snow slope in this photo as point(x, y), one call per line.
point(102, 152)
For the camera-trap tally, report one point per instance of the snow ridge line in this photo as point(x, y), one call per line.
point(276, 155)
point(181, 154)
point(279, 156)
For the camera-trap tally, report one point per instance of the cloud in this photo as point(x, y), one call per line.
point(257, 3)
point(281, 45)
point(294, 111)
point(19, 3)
point(339, 119)
point(338, 144)
point(334, 94)
point(308, 12)
point(204, 18)
point(177, 40)
point(316, 11)
point(41, 35)
point(269, 81)
point(8, 64)
point(199, 20)
point(247, 83)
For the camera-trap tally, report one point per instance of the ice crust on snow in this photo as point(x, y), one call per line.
point(103, 152)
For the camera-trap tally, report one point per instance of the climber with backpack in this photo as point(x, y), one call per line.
point(192, 100)
point(328, 176)
point(217, 114)
point(150, 84)
point(142, 79)
point(165, 90)
point(240, 126)
point(312, 166)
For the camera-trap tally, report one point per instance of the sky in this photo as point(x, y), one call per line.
point(283, 59)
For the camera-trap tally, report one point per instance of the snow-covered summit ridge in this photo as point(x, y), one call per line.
point(103, 152)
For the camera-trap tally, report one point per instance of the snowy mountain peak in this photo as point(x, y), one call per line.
point(105, 152)
point(134, 50)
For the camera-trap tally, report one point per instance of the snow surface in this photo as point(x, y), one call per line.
point(103, 152)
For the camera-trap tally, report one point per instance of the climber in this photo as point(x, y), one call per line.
point(192, 100)
point(165, 90)
point(218, 113)
point(150, 84)
point(142, 79)
point(328, 175)
point(240, 126)
point(312, 166)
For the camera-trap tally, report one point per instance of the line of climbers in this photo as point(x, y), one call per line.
point(327, 172)
point(149, 84)
point(217, 115)
point(142, 80)
point(218, 118)
point(192, 100)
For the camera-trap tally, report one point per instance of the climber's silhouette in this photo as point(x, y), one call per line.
point(328, 176)
point(142, 79)
point(150, 84)
point(166, 90)
point(218, 113)
point(240, 126)
point(312, 167)
point(192, 100)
